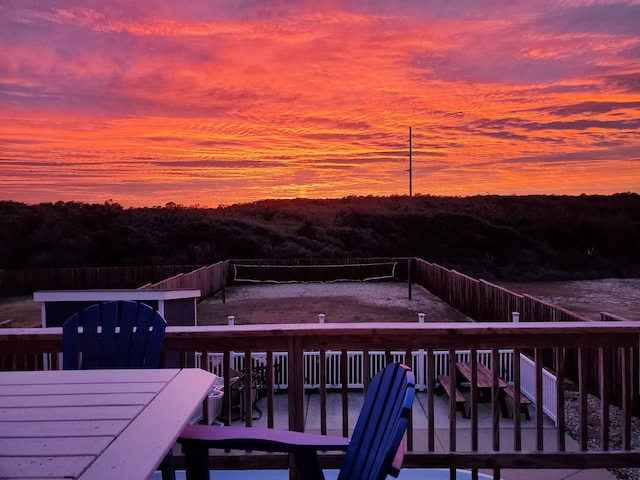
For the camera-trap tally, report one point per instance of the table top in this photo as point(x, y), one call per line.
point(115, 294)
point(484, 375)
point(88, 424)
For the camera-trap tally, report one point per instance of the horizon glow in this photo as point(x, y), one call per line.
point(214, 103)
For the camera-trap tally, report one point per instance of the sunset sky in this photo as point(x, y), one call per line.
point(209, 102)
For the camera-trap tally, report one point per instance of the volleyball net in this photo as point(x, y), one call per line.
point(353, 272)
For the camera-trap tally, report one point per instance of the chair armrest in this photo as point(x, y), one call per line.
point(260, 439)
point(396, 465)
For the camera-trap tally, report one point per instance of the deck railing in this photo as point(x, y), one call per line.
point(505, 449)
point(355, 374)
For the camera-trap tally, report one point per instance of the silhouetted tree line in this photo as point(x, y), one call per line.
point(492, 237)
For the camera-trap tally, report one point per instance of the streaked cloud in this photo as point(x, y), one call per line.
point(221, 102)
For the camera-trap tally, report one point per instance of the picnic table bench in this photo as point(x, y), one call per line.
point(524, 401)
point(449, 388)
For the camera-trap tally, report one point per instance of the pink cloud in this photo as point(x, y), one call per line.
point(211, 100)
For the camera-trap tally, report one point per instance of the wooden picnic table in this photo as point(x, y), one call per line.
point(484, 375)
point(484, 383)
point(88, 424)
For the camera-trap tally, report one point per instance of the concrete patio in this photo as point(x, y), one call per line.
point(485, 435)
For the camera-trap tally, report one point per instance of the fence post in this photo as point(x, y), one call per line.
point(420, 371)
point(409, 276)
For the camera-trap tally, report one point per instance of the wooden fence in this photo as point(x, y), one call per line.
point(610, 317)
point(496, 302)
point(484, 302)
point(209, 279)
point(25, 282)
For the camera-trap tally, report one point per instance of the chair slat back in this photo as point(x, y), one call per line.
point(381, 425)
point(119, 334)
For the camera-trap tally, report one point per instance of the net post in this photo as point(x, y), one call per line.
point(409, 275)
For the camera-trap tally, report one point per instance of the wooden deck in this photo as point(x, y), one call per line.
point(549, 346)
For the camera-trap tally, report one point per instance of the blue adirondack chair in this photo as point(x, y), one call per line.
point(118, 334)
point(374, 451)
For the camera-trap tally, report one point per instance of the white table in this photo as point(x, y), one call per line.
point(178, 306)
point(94, 424)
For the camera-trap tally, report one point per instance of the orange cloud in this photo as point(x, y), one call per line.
point(204, 104)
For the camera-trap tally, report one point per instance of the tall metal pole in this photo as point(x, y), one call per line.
point(410, 167)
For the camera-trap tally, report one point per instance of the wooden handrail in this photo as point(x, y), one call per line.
point(23, 349)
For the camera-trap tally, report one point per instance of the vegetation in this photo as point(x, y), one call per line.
point(492, 237)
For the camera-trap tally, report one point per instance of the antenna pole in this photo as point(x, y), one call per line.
point(410, 166)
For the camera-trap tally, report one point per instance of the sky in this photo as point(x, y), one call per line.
point(217, 102)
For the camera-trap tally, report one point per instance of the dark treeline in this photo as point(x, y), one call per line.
point(491, 237)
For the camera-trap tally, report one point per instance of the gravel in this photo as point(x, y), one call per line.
point(572, 420)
